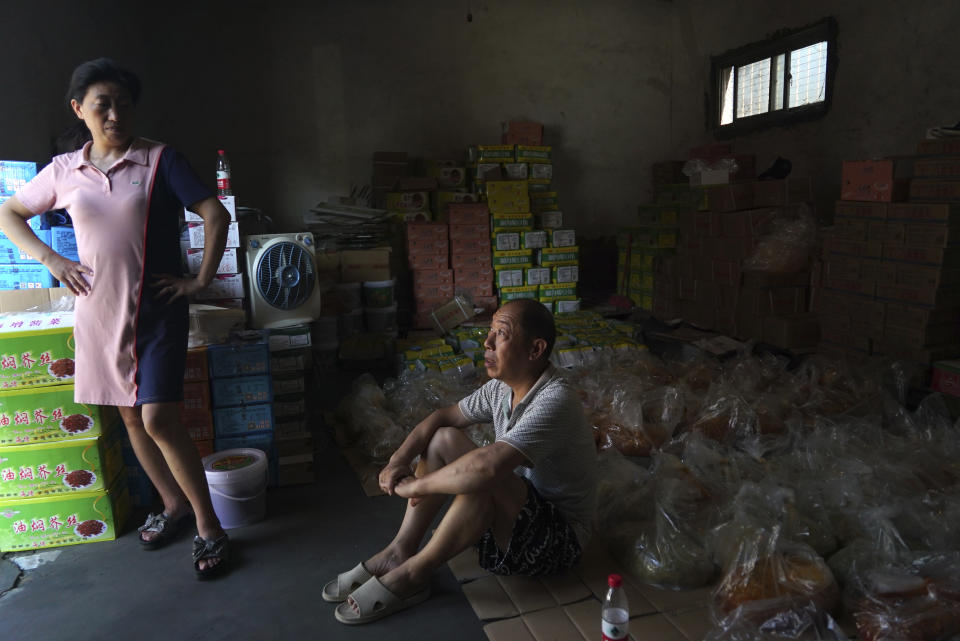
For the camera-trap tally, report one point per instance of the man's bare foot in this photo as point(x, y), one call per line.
point(400, 582)
point(385, 560)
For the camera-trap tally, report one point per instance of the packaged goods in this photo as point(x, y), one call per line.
point(513, 293)
point(506, 241)
point(495, 154)
point(512, 222)
point(517, 259)
point(535, 276)
point(550, 219)
point(543, 171)
point(539, 185)
point(516, 171)
point(248, 354)
point(510, 278)
point(67, 519)
point(36, 349)
point(552, 257)
point(468, 214)
point(48, 414)
point(241, 390)
point(557, 290)
point(232, 421)
point(543, 201)
point(507, 196)
point(534, 239)
point(563, 238)
point(534, 154)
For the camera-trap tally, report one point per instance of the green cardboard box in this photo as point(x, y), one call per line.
point(47, 414)
point(556, 291)
point(36, 349)
point(551, 257)
point(77, 465)
point(514, 293)
point(517, 259)
point(54, 521)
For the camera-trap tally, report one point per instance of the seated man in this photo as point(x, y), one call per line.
point(526, 501)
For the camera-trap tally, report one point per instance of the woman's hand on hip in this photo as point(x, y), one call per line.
point(173, 287)
point(70, 273)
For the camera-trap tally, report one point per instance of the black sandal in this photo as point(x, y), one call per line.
point(210, 549)
point(165, 527)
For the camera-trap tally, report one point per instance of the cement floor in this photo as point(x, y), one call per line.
point(117, 590)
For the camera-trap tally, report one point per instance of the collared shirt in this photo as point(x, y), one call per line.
point(548, 427)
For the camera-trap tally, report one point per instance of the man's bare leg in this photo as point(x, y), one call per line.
point(447, 445)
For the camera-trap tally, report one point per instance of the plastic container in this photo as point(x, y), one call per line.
point(238, 485)
point(615, 612)
point(350, 295)
point(325, 329)
point(350, 324)
point(381, 319)
point(378, 293)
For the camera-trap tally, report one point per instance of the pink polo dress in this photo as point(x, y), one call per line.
point(131, 345)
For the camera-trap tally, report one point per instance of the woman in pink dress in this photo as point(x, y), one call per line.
point(125, 195)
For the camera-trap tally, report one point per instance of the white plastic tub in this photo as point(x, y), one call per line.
point(378, 293)
point(381, 319)
point(238, 485)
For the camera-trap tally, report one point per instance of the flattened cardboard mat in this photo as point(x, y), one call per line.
point(567, 606)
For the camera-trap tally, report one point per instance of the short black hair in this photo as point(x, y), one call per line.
point(536, 321)
point(102, 70)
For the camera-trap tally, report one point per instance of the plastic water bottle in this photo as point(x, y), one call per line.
point(616, 613)
point(223, 174)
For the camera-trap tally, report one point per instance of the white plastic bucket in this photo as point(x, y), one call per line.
point(378, 293)
point(350, 323)
point(238, 485)
point(381, 319)
point(325, 329)
point(350, 295)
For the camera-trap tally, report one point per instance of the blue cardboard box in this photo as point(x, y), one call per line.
point(63, 240)
point(237, 421)
point(25, 276)
point(246, 354)
point(241, 390)
point(11, 254)
point(14, 174)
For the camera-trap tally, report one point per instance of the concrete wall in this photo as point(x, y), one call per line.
point(301, 94)
point(894, 79)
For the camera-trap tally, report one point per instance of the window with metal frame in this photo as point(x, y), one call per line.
point(786, 78)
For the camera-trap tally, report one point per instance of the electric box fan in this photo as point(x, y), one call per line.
point(282, 275)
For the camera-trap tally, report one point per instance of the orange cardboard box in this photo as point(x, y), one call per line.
point(436, 291)
point(871, 180)
point(474, 232)
point(432, 277)
point(428, 261)
point(476, 289)
point(426, 231)
point(196, 365)
point(469, 214)
point(522, 133)
point(470, 245)
point(478, 260)
point(473, 275)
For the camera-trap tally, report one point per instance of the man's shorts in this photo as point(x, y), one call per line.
point(542, 542)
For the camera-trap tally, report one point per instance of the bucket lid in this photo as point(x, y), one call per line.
point(230, 464)
point(378, 283)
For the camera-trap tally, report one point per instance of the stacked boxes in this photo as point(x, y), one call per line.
point(17, 269)
point(227, 288)
point(196, 410)
point(470, 254)
point(409, 201)
point(61, 480)
point(241, 394)
point(291, 364)
point(891, 269)
point(646, 264)
point(719, 227)
point(428, 251)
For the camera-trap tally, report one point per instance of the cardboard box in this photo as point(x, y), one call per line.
point(506, 241)
point(451, 314)
point(66, 466)
point(474, 275)
point(428, 261)
point(933, 296)
point(262, 440)
point(295, 469)
point(424, 277)
point(565, 273)
point(777, 193)
point(549, 219)
point(507, 196)
point(36, 348)
point(938, 147)
point(241, 390)
point(487, 304)
point(433, 292)
point(229, 203)
point(442, 200)
point(552, 257)
point(521, 221)
point(471, 246)
point(475, 290)
point(534, 239)
point(871, 180)
point(938, 190)
point(290, 361)
point(930, 235)
point(535, 276)
point(358, 265)
point(512, 277)
point(249, 419)
point(407, 201)
point(544, 201)
point(447, 176)
point(195, 407)
point(906, 315)
point(425, 231)
point(854, 209)
point(195, 231)
point(563, 238)
point(70, 519)
point(465, 262)
point(932, 212)
point(534, 153)
point(866, 249)
point(496, 153)
point(514, 293)
point(948, 258)
point(25, 276)
point(468, 214)
point(228, 264)
point(11, 254)
point(947, 167)
point(48, 414)
point(239, 358)
point(710, 177)
point(522, 133)
point(474, 233)
point(517, 259)
point(887, 233)
point(223, 286)
point(772, 301)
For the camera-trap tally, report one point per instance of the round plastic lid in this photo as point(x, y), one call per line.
point(239, 460)
point(614, 580)
point(378, 283)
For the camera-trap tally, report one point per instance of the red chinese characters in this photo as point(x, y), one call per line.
point(72, 520)
point(45, 358)
point(8, 474)
point(38, 416)
point(21, 418)
point(26, 473)
point(8, 362)
point(55, 523)
point(26, 360)
point(57, 414)
point(38, 525)
point(61, 470)
point(42, 472)
point(19, 527)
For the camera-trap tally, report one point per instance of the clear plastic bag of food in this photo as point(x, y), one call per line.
point(789, 245)
point(915, 602)
point(368, 424)
point(776, 620)
point(766, 566)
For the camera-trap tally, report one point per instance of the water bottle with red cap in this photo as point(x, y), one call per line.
point(615, 614)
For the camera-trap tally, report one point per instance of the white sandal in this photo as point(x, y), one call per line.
point(339, 589)
point(374, 602)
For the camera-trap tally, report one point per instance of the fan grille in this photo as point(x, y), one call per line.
point(285, 275)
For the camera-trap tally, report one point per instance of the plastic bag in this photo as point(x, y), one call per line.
point(696, 166)
point(369, 425)
point(768, 567)
point(787, 249)
point(774, 620)
point(919, 602)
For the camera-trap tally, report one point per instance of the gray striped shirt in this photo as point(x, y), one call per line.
point(548, 427)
